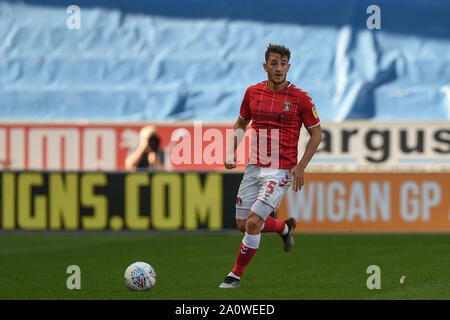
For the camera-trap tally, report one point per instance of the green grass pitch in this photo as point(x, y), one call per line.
point(190, 266)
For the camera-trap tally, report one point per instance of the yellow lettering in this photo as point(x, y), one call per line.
point(25, 218)
point(98, 202)
point(203, 205)
point(133, 183)
point(8, 201)
point(63, 201)
point(173, 219)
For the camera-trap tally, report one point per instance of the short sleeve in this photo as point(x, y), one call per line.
point(308, 111)
point(245, 106)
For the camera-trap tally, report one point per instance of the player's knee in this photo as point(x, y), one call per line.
point(253, 224)
point(241, 225)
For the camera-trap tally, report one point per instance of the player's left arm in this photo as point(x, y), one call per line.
point(311, 121)
point(298, 171)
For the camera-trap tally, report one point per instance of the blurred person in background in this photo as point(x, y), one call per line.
point(147, 155)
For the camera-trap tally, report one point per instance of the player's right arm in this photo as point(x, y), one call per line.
point(239, 128)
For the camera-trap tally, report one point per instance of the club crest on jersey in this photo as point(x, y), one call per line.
point(239, 200)
point(287, 106)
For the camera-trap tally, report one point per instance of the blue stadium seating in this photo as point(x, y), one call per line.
point(193, 60)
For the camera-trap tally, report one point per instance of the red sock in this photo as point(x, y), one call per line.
point(245, 254)
point(273, 225)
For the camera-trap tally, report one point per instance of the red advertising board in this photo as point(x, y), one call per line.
point(192, 146)
point(345, 147)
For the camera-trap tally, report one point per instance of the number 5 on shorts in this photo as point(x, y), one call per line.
point(270, 188)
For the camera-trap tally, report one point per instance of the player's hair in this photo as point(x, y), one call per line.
point(281, 50)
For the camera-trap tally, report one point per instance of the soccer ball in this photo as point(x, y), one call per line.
point(140, 276)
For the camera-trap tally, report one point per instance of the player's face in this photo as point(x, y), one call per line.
point(276, 67)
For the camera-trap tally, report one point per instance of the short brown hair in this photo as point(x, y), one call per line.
point(281, 50)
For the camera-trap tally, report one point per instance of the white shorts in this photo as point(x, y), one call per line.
point(268, 185)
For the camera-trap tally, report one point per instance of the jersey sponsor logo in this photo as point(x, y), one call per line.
point(314, 111)
point(287, 106)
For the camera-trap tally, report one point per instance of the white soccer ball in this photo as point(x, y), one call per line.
point(140, 276)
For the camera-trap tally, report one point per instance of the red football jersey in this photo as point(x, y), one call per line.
point(277, 117)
